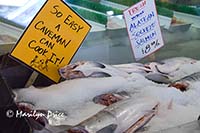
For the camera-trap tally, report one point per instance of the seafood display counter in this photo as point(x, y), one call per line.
point(104, 89)
point(117, 98)
point(112, 93)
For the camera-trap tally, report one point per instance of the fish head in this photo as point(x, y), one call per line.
point(70, 72)
point(36, 118)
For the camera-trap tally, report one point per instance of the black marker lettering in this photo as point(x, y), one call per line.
point(58, 27)
point(37, 48)
point(72, 24)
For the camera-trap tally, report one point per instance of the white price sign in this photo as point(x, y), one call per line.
point(143, 28)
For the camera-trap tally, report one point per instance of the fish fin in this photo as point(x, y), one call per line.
point(143, 120)
point(99, 74)
point(58, 129)
point(77, 129)
point(140, 123)
point(108, 129)
point(158, 78)
point(160, 70)
point(98, 64)
point(198, 119)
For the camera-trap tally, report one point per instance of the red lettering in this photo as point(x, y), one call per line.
point(143, 3)
point(135, 9)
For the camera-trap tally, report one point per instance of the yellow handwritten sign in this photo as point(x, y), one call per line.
point(51, 39)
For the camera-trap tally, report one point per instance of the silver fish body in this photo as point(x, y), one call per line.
point(184, 83)
point(133, 68)
point(65, 94)
point(120, 117)
point(179, 60)
point(191, 78)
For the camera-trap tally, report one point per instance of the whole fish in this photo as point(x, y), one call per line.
point(83, 69)
point(124, 116)
point(172, 71)
point(170, 65)
point(133, 68)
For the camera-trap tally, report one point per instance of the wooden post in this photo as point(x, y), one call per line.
point(31, 79)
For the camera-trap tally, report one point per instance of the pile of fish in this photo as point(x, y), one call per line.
point(101, 98)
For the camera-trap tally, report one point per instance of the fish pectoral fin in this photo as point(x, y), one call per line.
point(108, 129)
point(140, 123)
point(158, 78)
point(58, 129)
point(77, 129)
point(99, 74)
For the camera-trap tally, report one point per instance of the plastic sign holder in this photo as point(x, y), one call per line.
point(51, 39)
point(143, 28)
